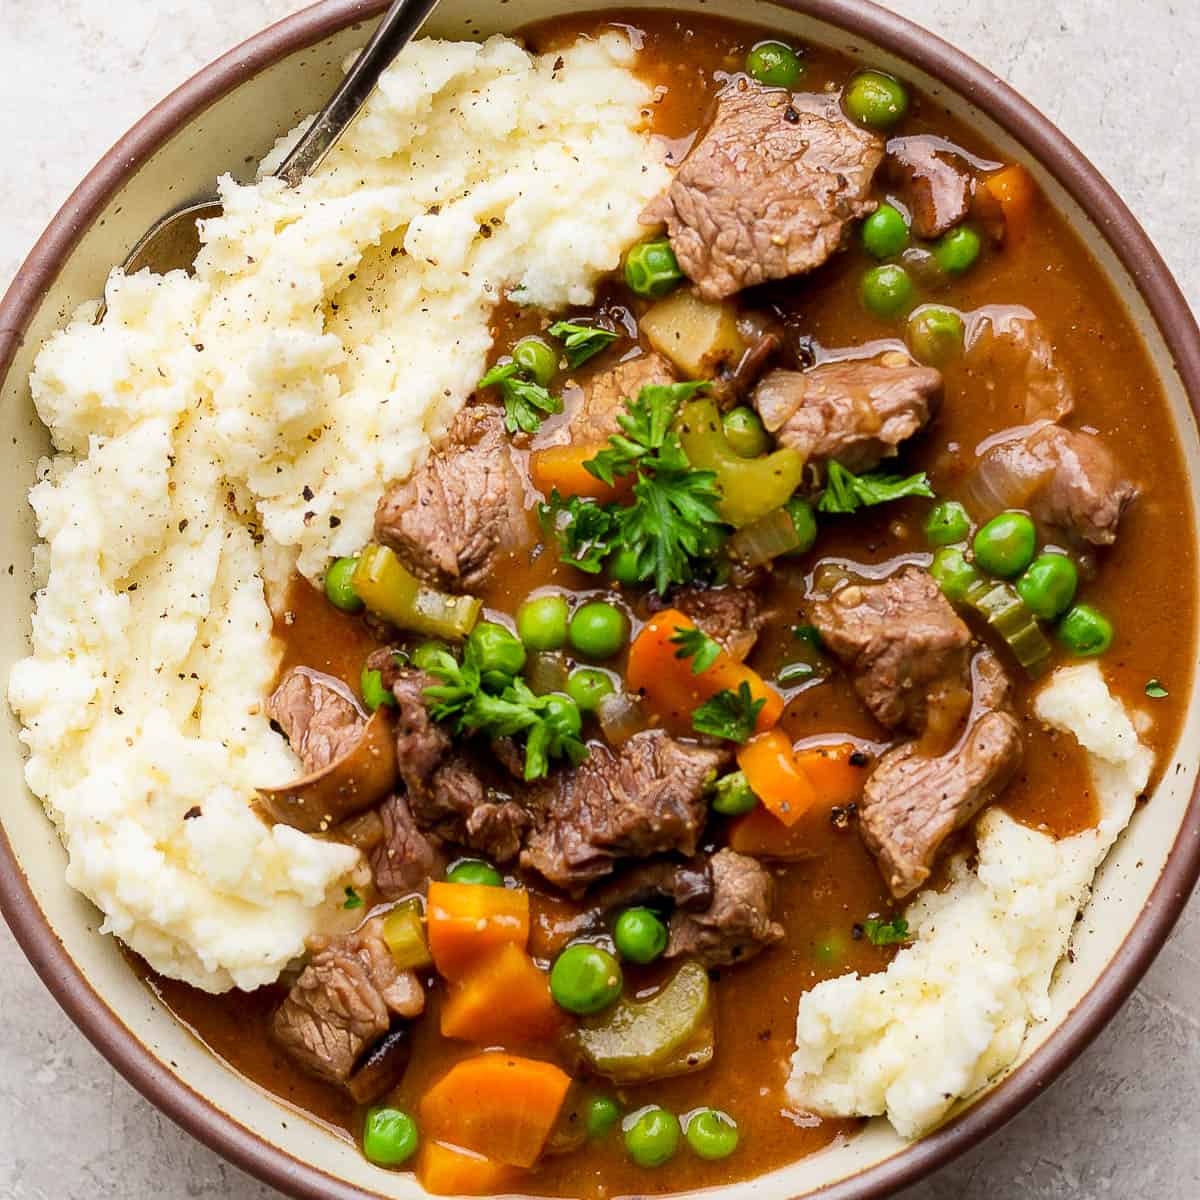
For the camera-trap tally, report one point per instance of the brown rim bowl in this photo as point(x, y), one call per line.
point(225, 118)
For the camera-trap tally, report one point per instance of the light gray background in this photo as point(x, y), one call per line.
point(1117, 76)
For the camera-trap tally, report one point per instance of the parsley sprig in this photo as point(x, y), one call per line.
point(846, 492)
point(671, 524)
point(477, 702)
point(581, 342)
point(886, 933)
point(526, 403)
point(729, 714)
point(698, 646)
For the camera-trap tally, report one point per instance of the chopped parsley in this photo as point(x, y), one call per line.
point(846, 492)
point(353, 899)
point(698, 646)
point(581, 342)
point(1155, 690)
point(469, 699)
point(728, 714)
point(672, 522)
point(886, 933)
point(525, 402)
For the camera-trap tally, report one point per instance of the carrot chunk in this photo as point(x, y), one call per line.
point(448, 1171)
point(466, 922)
point(562, 467)
point(776, 777)
point(503, 998)
point(1014, 190)
point(499, 1105)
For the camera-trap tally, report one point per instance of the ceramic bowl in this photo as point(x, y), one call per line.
point(225, 119)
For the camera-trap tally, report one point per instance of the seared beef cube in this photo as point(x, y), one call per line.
point(902, 642)
point(421, 743)
point(406, 859)
point(464, 510)
point(344, 1001)
point(769, 190)
point(318, 716)
point(605, 396)
point(646, 799)
point(937, 183)
point(737, 923)
point(856, 412)
point(913, 801)
point(731, 616)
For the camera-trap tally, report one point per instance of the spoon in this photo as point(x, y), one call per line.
point(173, 241)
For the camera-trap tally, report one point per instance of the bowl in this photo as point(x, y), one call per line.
point(225, 118)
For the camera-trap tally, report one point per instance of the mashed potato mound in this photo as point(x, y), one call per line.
point(220, 429)
point(952, 1009)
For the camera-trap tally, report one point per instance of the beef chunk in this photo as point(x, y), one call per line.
point(737, 923)
point(937, 183)
point(318, 716)
point(406, 859)
point(456, 516)
point(901, 640)
point(730, 615)
point(344, 1001)
point(646, 799)
point(605, 394)
point(422, 745)
point(914, 801)
point(1011, 359)
point(857, 412)
point(769, 190)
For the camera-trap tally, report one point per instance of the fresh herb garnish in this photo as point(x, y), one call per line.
point(698, 646)
point(1155, 690)
point(474, 703)
point(672, 521)
point(353, 899)
point(581, 342)
point(728, 714)
point(846, 492)
point(886, 933)
point(525, 402)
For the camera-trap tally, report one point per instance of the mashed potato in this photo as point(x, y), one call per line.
point(220, 429)
point(952, 1009)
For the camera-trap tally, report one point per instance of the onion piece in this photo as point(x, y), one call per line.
point(620, 716)
point(765, 539)
point(1006, 476)
point(546, 672)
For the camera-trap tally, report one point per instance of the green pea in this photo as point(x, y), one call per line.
point(947, 523)
point(775, 63)
point(804, 521)
point(587, 686)
point(374, 694)
point(542, 623)
point(623, 567)
point(1005, 546)
point(712, 1134)
point(600, 1115)
point(1085, 631)
point(745, 432)
point(563, 713)
point(888, 291)
point(390, 1137)
point(339, 585)
point(885, 232)
point(957, 251)
point(651, 268)
point(497, 650)
point(536, 358)
point(640, 935)
point(652, 1136)
point(1048, 585)
point(876, 100)
point(475, 871)
point(953, 573)
point(935, 335)
point(426, 654)
point(733, 795)
point(598, 629)
point(585, 979)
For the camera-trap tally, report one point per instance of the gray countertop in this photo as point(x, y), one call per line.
point(1124, 1122)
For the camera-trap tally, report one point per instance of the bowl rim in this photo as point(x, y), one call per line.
point(1176, 323)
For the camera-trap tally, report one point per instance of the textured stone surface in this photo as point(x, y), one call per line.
point(1125, 1120)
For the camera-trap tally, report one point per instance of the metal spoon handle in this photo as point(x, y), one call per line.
point(399, 23)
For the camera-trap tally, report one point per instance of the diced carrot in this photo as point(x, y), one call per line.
point(562, 467)
point(466, 922)
point(1014, 190)
point(504, 998)
point(447, 1171)
point(499, 1105)
point(833, 772)
point(775, 776)
point(670, 688)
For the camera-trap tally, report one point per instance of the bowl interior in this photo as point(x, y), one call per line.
point(231, 133)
